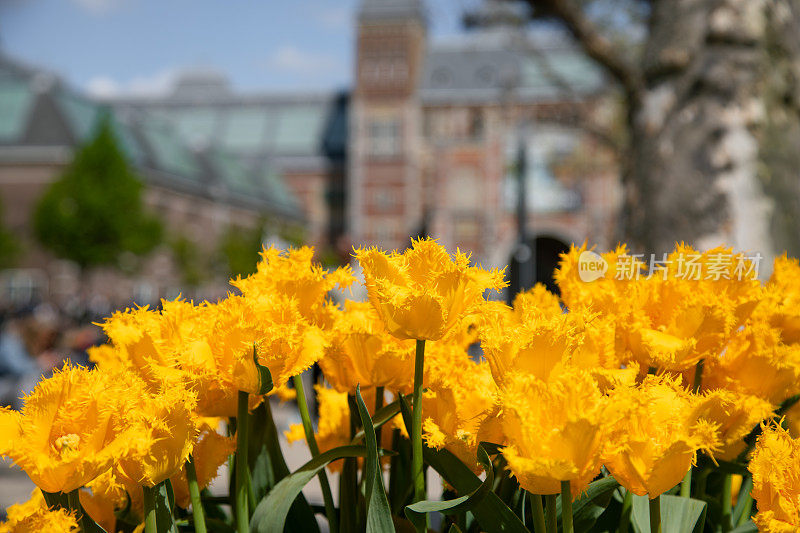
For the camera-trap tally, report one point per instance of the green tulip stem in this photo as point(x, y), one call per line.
point(74, 502)
point(194, 495)
point(698, 376)
point(537, 511)
point(550, 509)
point(726, 502)
point(625, 515)
point(686, 484)
point(242, 430)
point(149, 497)
point(655, 514)
point(378, 405)
point(566, 507)
point(327, 496)
point(417, 472)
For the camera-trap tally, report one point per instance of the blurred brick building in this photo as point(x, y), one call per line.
point(436, 127)
point(425, 142)
point(199, 194)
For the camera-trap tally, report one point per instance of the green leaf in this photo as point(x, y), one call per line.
point(268, 467)
point(382, 415)
point(744, 503)
point(592, 503)
point(491, 448)
point(417, 511)
point(164, 503)
point(678, 515)
point(264, 376)
point(216, 525)
point(400, 482)
point(379, 516)
point(747, 527)
point(127, 514)
point(270, 514)
point(491, 513)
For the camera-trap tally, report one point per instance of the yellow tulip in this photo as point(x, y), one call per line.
point(165, 426)
point(423, 292)
point(540, 346)
point(758, 363)
point(209, 453)
point(605, 293)
point(781, 297)
point(658, 435)
point(218, 360)
point(144, 340)
point(735, 415)
point(455, 405)
point(65, 435)
point(554, 431)
point(673, 317)
point(362, 352)
point(292, 274)
point(775, 465)
point(289, 344)
point(536, 302)
point(34, 516)
point(102, 498)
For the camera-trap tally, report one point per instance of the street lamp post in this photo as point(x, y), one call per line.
point(524, 255)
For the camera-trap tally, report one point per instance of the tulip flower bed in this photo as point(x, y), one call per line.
point(656, 403)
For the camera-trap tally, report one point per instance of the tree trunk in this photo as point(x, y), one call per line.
point(695, 129)
point(780, 139)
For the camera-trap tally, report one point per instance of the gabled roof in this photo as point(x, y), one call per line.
point(37, 109)
point(498, 63)
point(259, 126)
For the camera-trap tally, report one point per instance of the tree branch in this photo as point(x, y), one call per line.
point(594, 44)
point(599, 133)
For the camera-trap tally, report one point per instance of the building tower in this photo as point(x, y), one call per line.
point(385, 178)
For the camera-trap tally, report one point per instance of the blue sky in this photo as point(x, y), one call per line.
point(119, 46)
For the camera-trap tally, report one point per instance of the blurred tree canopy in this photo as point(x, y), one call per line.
point(710, 91)
point(240, 247)
point(93, 213)
point(9, 245)
point(189, 260)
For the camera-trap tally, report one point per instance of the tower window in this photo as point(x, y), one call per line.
point(384, 137)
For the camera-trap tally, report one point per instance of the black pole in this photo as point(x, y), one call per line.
point(523, 255)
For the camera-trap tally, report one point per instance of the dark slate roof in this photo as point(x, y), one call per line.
point(287, 129)
point(37, 109)
point(496, 64)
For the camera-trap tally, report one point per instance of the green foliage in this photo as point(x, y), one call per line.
point(240, 247)
point(678, 515)
point(270, 514)
point(188, 260)
point(93, 213)
point(379, 516)
point(9, 245)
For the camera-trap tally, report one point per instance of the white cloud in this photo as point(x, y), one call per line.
point(290, 58)
point(154, 85)
point(334, 18)
point(99, 7)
